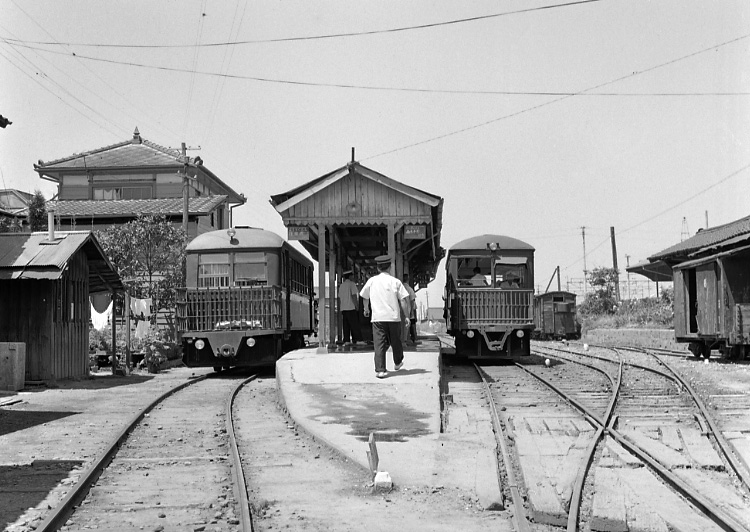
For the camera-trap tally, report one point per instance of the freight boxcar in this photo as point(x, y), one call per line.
point(712, 303)
point(555, 316)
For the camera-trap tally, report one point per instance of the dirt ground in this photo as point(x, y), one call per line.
point(67, 424)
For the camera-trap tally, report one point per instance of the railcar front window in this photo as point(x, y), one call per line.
point(250, 268)
point(213, 270)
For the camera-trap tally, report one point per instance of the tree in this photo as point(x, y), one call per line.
point(602, 300)
point(38, 212)
point(149, 254)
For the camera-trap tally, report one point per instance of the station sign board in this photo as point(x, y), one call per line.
point(415, 232)
point(298, 232)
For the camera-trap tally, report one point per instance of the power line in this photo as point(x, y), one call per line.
point(326, 36)
point(565, 94)
point(580, 93)
point(85, 86)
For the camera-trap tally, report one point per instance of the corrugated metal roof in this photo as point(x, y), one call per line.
point(34, 256)
point(108, 208)
point(710, 237)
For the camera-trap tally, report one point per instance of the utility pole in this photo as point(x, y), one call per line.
point(185, 190)
point(585, 272)
point(706, 219)
point(627, 259)
point(185, 185)
point(614, 264)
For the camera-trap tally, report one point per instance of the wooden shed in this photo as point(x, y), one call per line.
point(45, 282)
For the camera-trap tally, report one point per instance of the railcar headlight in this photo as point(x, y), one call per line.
point(250, 342)
point(470, 334)
point(200, 344)
point(519, 333)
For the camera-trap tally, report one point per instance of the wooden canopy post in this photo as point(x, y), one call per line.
point(332, 285)
point(114, 333)
point(322, 319)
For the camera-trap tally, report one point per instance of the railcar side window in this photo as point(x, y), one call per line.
point(299, 278)
point(213, 270)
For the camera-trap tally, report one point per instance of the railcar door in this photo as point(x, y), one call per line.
point(707, 293)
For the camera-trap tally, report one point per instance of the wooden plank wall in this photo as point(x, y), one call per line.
point(369, 198)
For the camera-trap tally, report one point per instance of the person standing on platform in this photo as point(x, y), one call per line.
point(409, 337)
point(349, 305)
point(388, 301)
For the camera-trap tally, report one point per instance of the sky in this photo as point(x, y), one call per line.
point(550, 122)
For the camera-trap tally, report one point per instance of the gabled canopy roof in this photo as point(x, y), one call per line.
point(713, 238)
point(361, 203)
point(34, 256)
point(129, 208)
point(282, 202)
point(129, 154)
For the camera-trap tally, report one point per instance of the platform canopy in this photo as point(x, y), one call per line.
point(353, 214)
point(365, 214)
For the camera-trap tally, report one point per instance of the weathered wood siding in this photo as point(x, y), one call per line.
point(52, 319)
point(352, 197)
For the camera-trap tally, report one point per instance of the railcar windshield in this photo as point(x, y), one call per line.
point(511, 272)
point(217, 270)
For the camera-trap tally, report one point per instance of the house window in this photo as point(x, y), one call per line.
point(122, 193)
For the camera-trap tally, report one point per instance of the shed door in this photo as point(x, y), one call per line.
point(707, 298)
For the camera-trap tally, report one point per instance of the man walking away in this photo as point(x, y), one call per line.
point(388, 300)
point(349, 305)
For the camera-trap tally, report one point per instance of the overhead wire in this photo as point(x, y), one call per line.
point(196, 52)
point(550, 102)
point(226, 63)
point(332, 35)
point(92, 72)
point(42, 75)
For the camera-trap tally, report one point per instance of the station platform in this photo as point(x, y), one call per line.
point(336, 397)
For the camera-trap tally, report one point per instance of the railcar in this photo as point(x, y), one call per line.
point(555, 316)
point(712, 303)
point(489, 296)
point(248, 299)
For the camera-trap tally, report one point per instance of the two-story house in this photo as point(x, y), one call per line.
point(114, 184)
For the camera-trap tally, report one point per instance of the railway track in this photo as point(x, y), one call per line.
point(597, 430)
point(174, 466)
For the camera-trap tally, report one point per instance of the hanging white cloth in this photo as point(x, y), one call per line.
point(101, 301)
point(100, 320)
point(140, 312)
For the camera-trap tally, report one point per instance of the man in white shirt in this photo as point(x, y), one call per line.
point(349, 305)
point(388, 300)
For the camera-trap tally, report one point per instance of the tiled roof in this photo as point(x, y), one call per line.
point(134, 152)
point(706, 238)
point(114, 208)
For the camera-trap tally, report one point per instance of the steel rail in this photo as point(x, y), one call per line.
point(714, 513)
point(740, 468)
point(631, 364)
point(520, 517)
point(238, 473)
point(578, 485)
point(62, 511)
